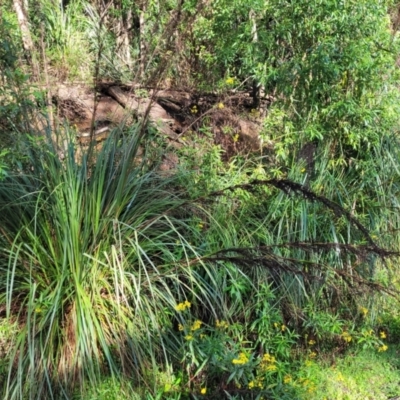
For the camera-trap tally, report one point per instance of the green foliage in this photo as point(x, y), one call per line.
point(324, 63)
point(64, 31)
point(223, 278)
point(108, 389)
point(222, 354)
point(329, 70)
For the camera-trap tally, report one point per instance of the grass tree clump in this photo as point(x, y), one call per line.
point(93, 261)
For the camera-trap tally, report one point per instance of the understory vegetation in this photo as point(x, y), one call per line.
point(267, 273)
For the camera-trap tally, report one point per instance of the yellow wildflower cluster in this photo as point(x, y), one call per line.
point(256, 383)
point(230, 81)
point(279, 326)
point(267, 358)
point(287, 379)
point(268, 363)
point(241, 360)
point(194, 109)
point(382, 334)
point(383, 348)
point(189, 337)
point(203, 391)
point(196, 325)
point(221, 324)
point(220, 106)
point(313, 354)
point(182, 306)
point(346, 337)
point(311, 342)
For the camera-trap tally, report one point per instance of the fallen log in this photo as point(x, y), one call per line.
point(158, 117)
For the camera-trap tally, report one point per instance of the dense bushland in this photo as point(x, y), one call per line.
point(222, 278)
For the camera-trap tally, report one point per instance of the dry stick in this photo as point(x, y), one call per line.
point(96, 77)
point(48, 88)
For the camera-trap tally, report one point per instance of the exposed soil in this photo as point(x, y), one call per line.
point(179, 116)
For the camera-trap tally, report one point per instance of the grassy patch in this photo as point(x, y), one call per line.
point(361, 375)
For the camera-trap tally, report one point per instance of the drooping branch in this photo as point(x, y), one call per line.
point(289, 187)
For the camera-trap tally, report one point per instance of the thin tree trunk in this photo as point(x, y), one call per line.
point(142, 35)
point(123, 42)
point(254, 34)
point(26, 36)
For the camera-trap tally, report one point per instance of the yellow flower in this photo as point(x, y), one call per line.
point(251, 384)
point(271, 367)
point(311, 342)
point(203, 391)
point(189, 337)
point(339, 377)
point(346, 336)
point(382, 334)
point(276, 324)
point(194, 109)
point(267, 358)
point(287, 379)
point(180, 327)
point(283, 328)
point(383, 348)
point(242, 359)
point(196, 325)
point(221, 324)
point(313, 354)
point(236, 138)
point(182, 306)
point(221, 105)
point(230, 81)
point(364, 311)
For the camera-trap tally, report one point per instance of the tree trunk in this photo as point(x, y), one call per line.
point(254, 34)
point(142, 36)
point(124, 23)
point(26, 37)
